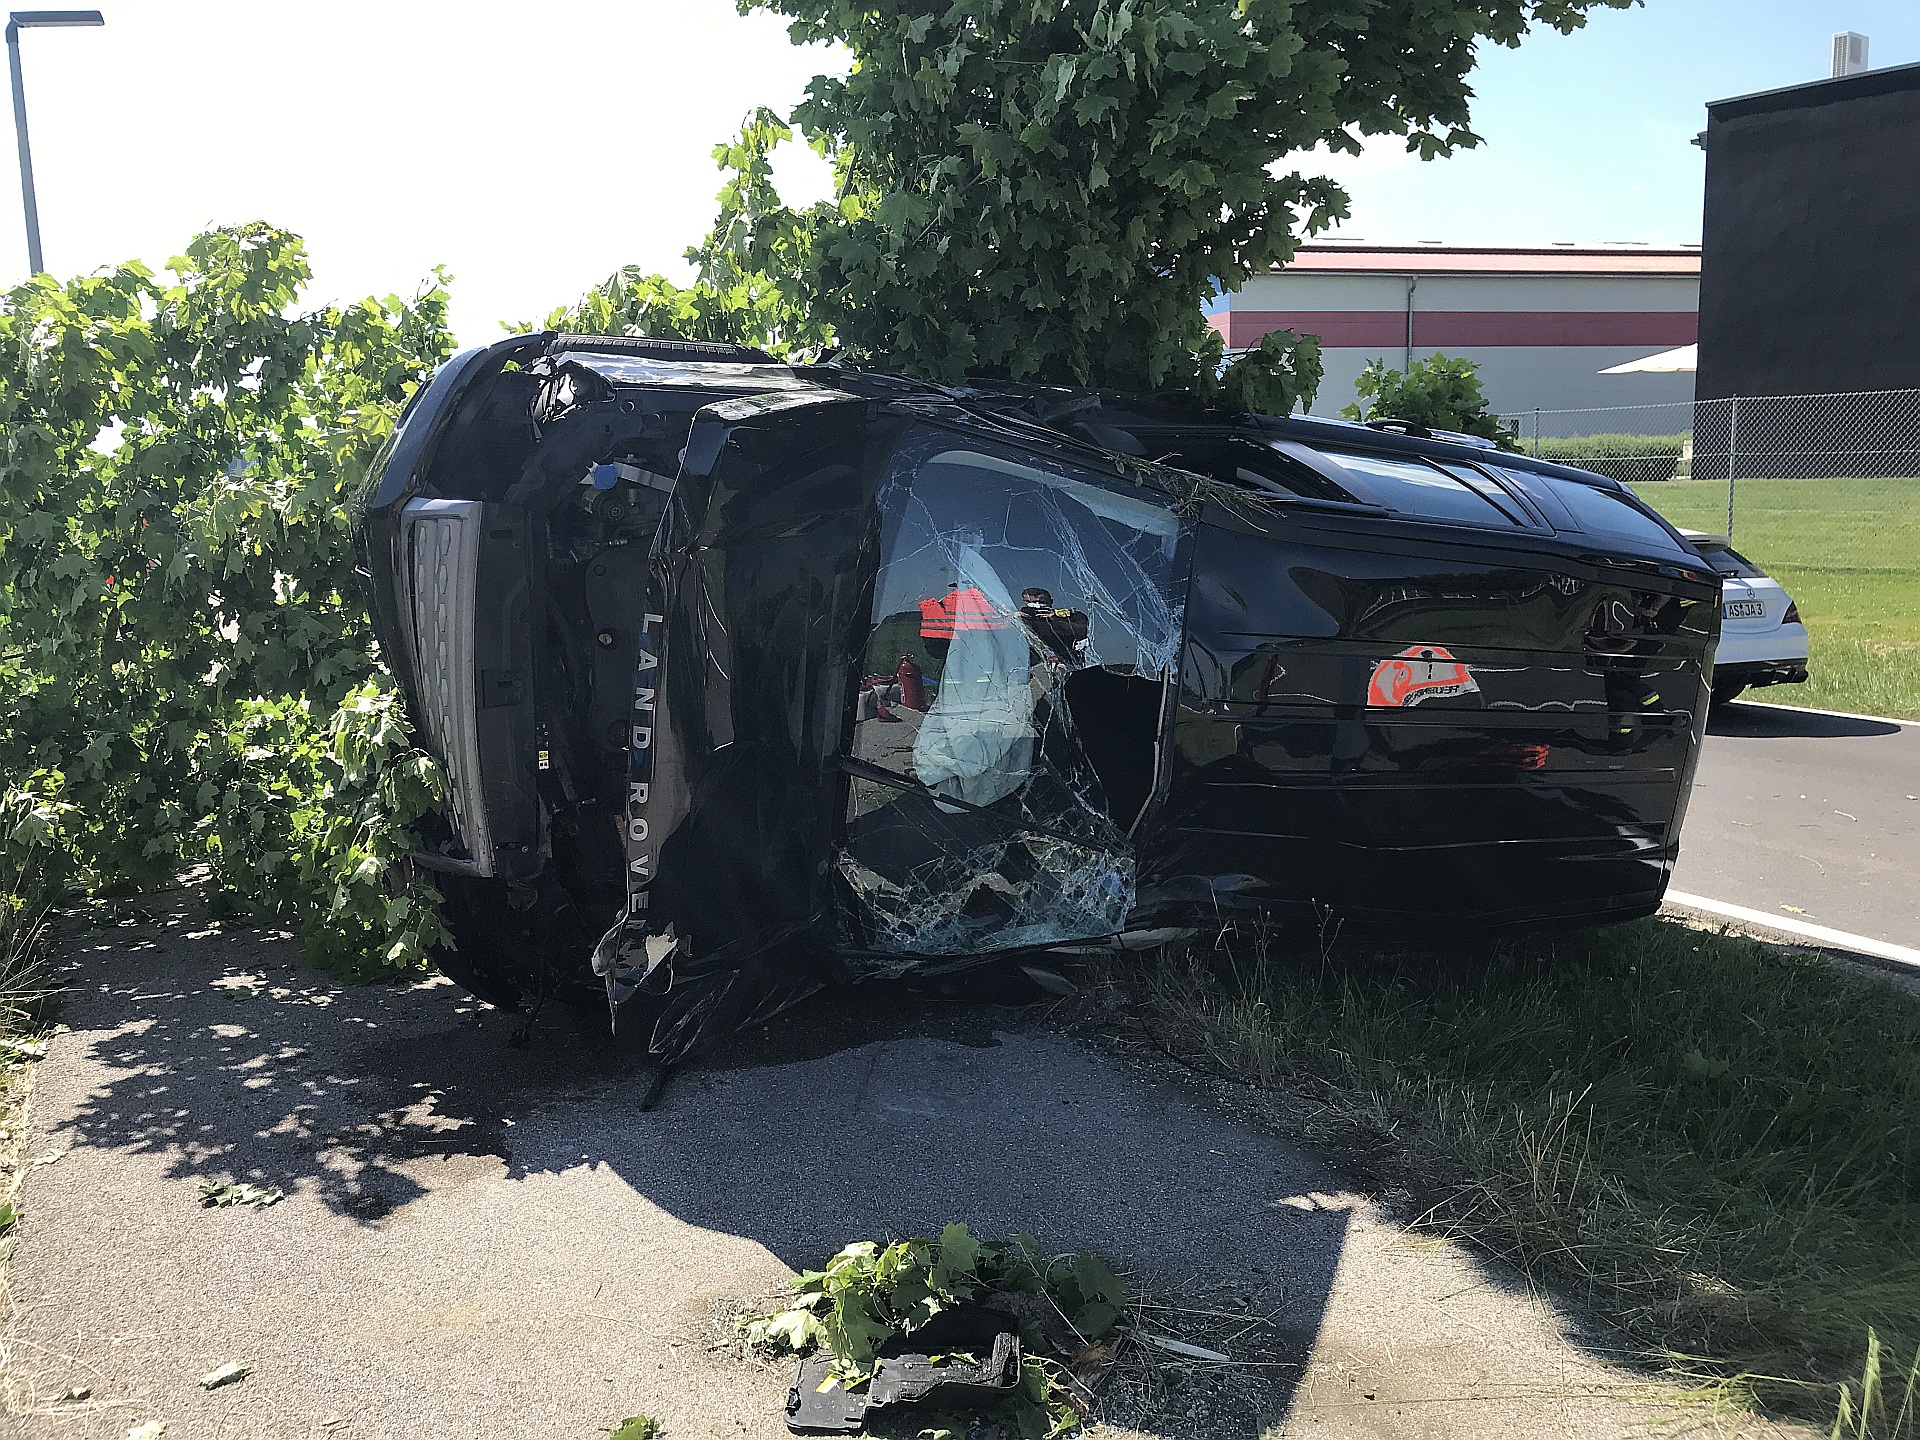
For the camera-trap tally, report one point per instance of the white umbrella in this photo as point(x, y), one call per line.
point(1667, 362)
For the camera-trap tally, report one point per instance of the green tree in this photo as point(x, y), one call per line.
point(186, 671)
point(1050, 189)
point(1438, 392)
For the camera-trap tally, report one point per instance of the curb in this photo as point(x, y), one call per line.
point(1884, 955)
point(1809, 710)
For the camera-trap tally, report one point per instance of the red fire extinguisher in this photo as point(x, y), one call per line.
point(913, 685)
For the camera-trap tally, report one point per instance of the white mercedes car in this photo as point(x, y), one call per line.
point(1762, 639)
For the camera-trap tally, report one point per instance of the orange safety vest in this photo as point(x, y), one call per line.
point(958, 610)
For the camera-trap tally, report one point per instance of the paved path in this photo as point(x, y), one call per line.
point(1816, 812)
point(481, 1241)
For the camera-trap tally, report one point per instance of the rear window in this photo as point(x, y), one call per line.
point(1729, 562)
point(1607, 512)
point(1603, 512)
point(1415, 488)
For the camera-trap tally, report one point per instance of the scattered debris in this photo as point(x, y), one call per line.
point(239, 1192)
point(152, 1430)
point(1181, 1347)
point(78, 1392)
point(637, 1427)
point(23, 1049)
point(49, 1158)
point(1164, 1389)
point(938, 1366)
point(231, 1373)
point(951, 1327)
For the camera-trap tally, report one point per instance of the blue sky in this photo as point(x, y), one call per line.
point(1587, 135)
point(534, 150)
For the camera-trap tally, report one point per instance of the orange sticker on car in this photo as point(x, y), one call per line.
point(1420, 672)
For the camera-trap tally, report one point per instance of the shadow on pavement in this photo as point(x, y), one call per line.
point(1764, 721)
point(875, 1115)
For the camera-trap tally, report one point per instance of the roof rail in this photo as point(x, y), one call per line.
point(1401, 427)
point(648, 348)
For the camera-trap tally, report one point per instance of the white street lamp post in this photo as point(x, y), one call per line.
point(16, 22)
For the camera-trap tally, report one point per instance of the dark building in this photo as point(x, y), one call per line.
point(1810, 256)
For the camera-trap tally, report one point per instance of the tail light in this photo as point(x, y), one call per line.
point(1792, 617)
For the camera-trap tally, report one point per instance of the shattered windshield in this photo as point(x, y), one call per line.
point(1024, 617)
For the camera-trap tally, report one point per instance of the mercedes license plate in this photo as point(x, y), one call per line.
point(1746, 610)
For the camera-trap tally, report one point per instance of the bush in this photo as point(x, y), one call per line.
point(1631, 459)
point(1438, 392)
point(186, 672)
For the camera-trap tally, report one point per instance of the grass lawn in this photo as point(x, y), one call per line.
point(1712, 1142)
point(1849, 552)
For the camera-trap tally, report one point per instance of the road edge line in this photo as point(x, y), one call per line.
point(1809, 710)
point(1904, 956)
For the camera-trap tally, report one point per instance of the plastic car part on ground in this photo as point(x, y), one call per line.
point(751, 679)
point(962, 1359)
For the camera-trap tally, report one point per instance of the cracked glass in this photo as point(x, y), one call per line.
point(1025, 614)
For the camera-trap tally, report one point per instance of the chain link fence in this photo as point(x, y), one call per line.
point(1869, 434)
point(1820, 491)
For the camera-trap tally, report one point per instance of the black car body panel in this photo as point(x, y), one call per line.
point(751, 678)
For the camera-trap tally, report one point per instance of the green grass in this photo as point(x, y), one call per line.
point(1629, 458)
point(1849, 552)
point(24, 995)
point(1712, 1142)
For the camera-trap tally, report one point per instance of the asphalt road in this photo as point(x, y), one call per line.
point(1808, 817)
point(482, 1241)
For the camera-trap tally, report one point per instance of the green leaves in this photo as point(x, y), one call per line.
point(176, 576)
point(1438, 392)
point(221, 1194)
point(1091, 1295)
point(1052, 192)
point(1279, 375)
point(953, 1271)
point(868, 1293)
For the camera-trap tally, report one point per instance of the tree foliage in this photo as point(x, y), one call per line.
point(1438, 392)
point(1050, 189)
point(186, 672)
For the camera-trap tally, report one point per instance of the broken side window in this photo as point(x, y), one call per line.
point(1025, 615)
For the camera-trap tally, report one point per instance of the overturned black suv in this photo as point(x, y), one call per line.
point(751, 678)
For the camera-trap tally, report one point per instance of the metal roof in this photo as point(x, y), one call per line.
point(1883, 80)
point(1492, 260)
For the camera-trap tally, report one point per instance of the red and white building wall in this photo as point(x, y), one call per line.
point(1540, 324)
